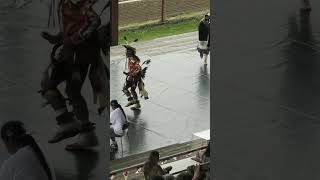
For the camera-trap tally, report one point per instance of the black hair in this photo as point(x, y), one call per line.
point(15, 132)
point(115, 104)
point(154, 154)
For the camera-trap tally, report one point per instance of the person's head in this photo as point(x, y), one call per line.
point(130, 51)
point(184, 176)
point(156, 178)
point(154, 157)
point(114, 104)
point(13, 134)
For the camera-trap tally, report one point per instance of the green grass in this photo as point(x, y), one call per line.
point(153, 31)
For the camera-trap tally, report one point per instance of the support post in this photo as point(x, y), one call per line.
point(162, 10)
point(114, 22)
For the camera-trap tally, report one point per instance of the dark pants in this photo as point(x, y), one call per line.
point(71, 67)
point(132, 84)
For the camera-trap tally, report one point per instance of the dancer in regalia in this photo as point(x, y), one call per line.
point(134, 79)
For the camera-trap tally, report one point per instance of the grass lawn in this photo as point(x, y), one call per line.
point(149, 32)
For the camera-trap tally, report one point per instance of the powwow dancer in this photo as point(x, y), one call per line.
point(80, 49)
point(134, 79)
point(204, 38)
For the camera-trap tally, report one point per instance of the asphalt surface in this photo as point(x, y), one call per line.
point(23, 57)
point(179, 90)
point(266, 90)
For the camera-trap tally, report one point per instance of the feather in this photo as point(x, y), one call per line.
point(143, 72)
point(146, 62)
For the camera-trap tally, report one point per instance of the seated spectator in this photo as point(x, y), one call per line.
point(204, 155)
point(117, 122)
point(26, 161)
point(202, 171)
point(152, 168)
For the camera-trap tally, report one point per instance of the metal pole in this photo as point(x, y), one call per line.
point(162, 10)
point(114, 22)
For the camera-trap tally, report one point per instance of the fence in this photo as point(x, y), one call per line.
point(140, 11)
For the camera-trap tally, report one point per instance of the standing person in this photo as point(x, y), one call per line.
point(204, 38)
point(26, 161)
point(117, 123)
point(134, 78)
point(306, 5)
point(80, 50)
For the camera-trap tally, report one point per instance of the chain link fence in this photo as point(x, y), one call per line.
point(141, 11)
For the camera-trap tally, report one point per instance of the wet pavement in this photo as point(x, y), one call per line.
point(23, 57)
point(179, 90)
point(266, 90)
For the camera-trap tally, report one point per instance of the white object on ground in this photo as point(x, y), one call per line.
point(203, 134)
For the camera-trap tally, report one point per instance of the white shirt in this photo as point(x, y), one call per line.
point(23, 165)
point(117, 120)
